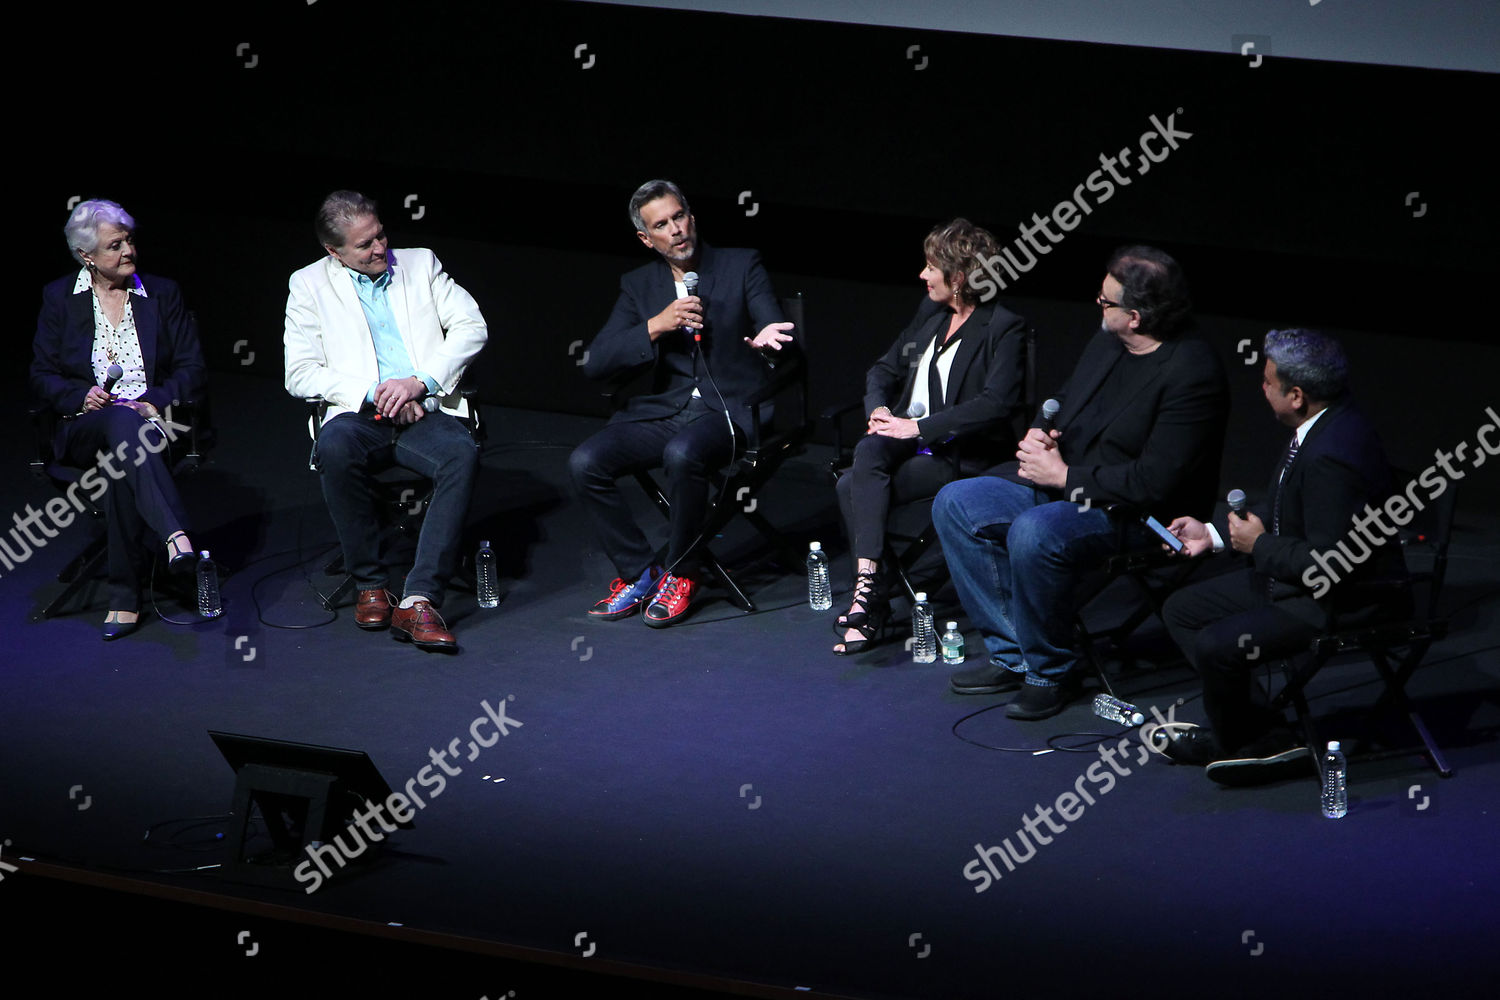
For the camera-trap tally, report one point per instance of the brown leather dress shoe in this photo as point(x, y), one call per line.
point(373, 609)
point(421, 625)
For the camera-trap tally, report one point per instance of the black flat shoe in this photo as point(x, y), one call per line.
point(1037, 701)
point(1195, 747)
point(986, 678)
point(1276, 756)
point(115, 629)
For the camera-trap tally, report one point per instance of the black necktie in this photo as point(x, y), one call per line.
point(1286, 465)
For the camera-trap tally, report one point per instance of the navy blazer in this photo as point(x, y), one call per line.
point(736, 291)
point(1161, 446)
point(983, 413)
point(62, 367)
point(1339, 469)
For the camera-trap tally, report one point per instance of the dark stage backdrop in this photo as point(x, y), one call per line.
point(509, 136)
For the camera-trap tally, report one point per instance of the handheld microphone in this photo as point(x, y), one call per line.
point(1236, 500)
point(690, 283)
point(429, 403)
point(1049, 415)
point(112, 376)
point(916, 411)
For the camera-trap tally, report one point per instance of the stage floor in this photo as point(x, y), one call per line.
point(723, 805)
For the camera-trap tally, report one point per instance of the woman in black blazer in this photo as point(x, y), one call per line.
point(114, 349)
point(947, 399)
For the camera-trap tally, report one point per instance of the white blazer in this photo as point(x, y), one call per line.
point(329, 350)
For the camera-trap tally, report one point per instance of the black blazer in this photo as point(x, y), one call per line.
point(1160, 447)
point(1339, 469)
point(983, 414)
point(740, 303)
point(62, 368)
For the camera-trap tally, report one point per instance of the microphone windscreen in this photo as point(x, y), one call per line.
point(1236, 499)
point(1050, 408)
point(916, 411)
point(690, 282)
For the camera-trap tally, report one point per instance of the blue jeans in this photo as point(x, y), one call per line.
point(1016, 558)
point(352, 447)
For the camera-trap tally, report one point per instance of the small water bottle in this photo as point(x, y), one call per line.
point(953, 645)
point(1107, 706)
point(1335, 776)
point(209, 605)
point(819, 591)
point(485, 585)
point(923, 632)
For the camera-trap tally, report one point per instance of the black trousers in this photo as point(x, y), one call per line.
point(886, 472)
point(1227, 626)
point(141, 506)
point(691, 446)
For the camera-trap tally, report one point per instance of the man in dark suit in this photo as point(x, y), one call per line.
point(1307, 560)
point(1141, 423)
point(708, 344)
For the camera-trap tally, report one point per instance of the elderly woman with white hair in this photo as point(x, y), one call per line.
point(114, 348)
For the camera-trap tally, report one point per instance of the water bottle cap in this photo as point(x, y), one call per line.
point(484, 545)
point(952, 626)
point(203, 554)
point(815, 547)
point(1333, 744)
point(921, 596)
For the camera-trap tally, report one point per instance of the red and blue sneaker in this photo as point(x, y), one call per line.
point(672, 600)
point(625, 599)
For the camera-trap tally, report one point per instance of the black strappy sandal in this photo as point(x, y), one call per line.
point(867, 597)
point(870, 621)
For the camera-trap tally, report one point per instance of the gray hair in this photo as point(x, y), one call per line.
point(649, 192)
point(336, 213)
point(1310, 360)
point(82, 228)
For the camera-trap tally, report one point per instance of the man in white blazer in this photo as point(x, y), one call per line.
point(384, 336)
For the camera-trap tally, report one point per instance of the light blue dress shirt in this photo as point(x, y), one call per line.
point(391, 356)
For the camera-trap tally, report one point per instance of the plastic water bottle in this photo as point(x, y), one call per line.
point(819, 591)
point(953, 645)
point(485, 585)
point(923, 632)
point(1335, 776)
point(209, 605)
point(1107, 706)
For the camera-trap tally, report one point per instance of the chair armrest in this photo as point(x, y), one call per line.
point(192, 459)
point(784, 378)
point(470, 396)
point(44, 421)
